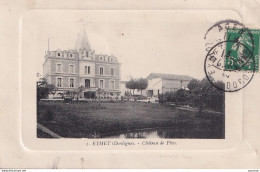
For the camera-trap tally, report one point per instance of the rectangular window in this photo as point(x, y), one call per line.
point(112, 85)
point(71, 82)
point(101, 84)
point(58, 68)
point(71, 68)
point(87, 69)
point(87, 83)
point(59, 82)
point(86, 53)
point(101, 71)
point(112, 72)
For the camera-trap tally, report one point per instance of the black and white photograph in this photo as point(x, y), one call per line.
point(124, 79)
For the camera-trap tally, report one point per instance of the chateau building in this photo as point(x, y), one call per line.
point(71, 69)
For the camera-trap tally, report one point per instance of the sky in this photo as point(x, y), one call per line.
point(168, 42)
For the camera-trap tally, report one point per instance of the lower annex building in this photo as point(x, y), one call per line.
point(160, 83)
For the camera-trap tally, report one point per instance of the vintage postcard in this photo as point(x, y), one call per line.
point(137, 80)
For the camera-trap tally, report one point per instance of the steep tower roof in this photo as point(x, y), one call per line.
point(82, 40)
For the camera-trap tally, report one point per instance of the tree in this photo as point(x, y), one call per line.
point(44, 89)
point(99, 92)
point(132, 85)
point(139, 84)
point(169, 96)
point(205, 95)
point(142, 84)
point(201, 94)
point(181, 95)
point(78, 91)
point(216, 98)
point(193, 84)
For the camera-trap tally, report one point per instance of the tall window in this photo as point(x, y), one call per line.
point(112, 85)
point(71, 55)
point(59, 80)
point(71, 68)
point(87, 69)
point(101, 71)
point(101, 84)
point(112, 71)
point(58, 54)
point(86, 53)
point(58, 68)
point(71, 82)
point(87, 83)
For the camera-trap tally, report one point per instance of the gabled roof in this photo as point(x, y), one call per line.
point(82, 41)
point(169, 76)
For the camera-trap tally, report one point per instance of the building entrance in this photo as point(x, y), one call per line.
point(89, 95)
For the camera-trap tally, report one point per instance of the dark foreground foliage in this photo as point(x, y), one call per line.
point(200, 94)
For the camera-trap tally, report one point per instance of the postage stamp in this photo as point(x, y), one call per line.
point(233, 60)
point(232, 55)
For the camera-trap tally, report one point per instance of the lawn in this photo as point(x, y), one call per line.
point(88, 119)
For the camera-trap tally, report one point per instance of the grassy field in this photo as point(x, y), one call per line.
point(88, 119)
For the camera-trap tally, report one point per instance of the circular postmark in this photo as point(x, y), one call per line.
point(231, 31)
point(215, 67)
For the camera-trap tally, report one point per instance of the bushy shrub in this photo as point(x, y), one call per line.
point(200, 94)
point(178, 96)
